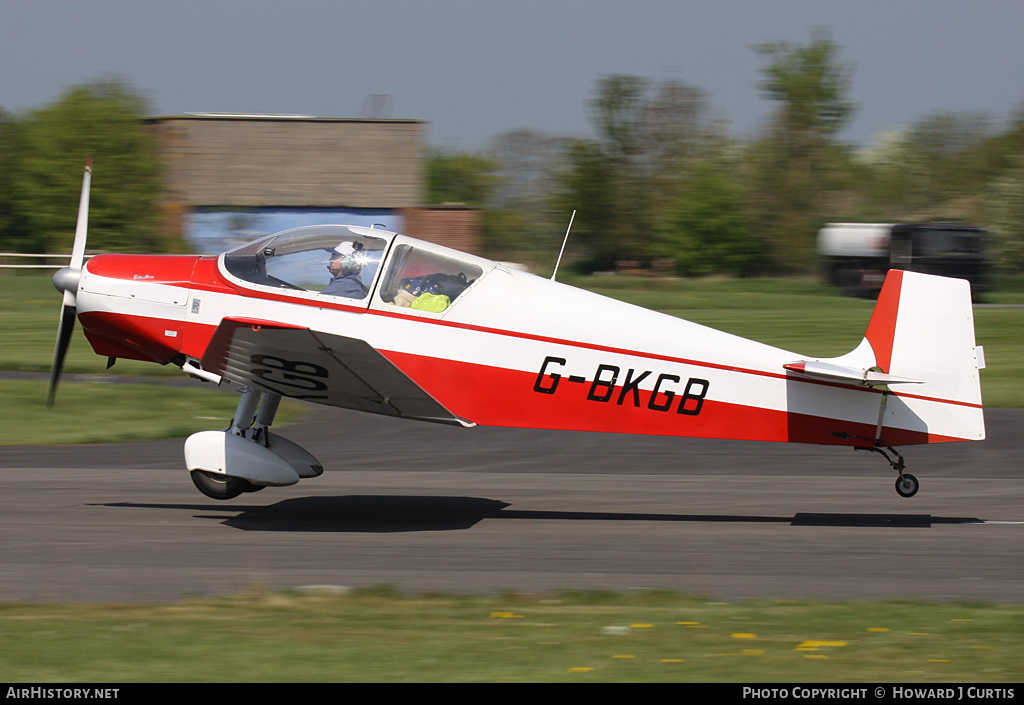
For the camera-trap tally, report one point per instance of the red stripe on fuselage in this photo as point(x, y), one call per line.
point(492, 396)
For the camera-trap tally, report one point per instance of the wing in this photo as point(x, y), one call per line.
point(327, 369)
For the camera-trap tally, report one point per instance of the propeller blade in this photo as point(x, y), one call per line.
point(66, 281)
point(65, 328)
point(78, 250)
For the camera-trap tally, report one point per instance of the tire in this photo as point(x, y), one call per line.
point(216, 486)
point(907, 485)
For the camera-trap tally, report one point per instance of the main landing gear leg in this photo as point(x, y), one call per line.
point(220, 486)
point(246, 457)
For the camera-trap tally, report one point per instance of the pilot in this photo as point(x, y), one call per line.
point(345, 265)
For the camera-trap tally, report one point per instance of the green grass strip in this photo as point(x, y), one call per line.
point(377, 635)
point(103, 412)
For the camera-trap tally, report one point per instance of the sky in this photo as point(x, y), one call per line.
point(475, 69)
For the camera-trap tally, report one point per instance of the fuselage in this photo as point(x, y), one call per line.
point(508, 349)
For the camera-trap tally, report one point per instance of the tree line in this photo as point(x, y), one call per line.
point(661, 183)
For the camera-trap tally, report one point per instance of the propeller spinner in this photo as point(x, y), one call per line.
point(66, 280)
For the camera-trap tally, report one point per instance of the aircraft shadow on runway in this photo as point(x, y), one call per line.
point(385, 514)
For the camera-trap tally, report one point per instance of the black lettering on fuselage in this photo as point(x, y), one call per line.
point(663, 394)
point(632, 385)
point(685, 406)
point(607, 386)
point(669, 396)
point(539, 386)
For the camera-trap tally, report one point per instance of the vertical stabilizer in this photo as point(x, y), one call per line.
point(923, 329)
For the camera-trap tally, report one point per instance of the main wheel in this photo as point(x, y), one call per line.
point(907, 485)
point(216, 486)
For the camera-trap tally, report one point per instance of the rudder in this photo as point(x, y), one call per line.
point(922, 328)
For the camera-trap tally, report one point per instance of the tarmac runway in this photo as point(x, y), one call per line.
point(427, 508)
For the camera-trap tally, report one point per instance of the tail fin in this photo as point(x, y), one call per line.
point(923, 329)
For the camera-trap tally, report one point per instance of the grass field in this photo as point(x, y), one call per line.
point(109, 413)
point(374, 635)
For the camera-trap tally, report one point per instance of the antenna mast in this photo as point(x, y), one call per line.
point(565, 240)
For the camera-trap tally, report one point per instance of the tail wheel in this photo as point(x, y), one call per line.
point(907, 485)
point(216, 486)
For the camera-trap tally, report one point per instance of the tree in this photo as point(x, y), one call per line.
point(1005, 205)
point(588, 187)
point(793, 163)
point(707, 231)
point(460, 177)
point(526, 161)
point(103, 119)
point(932, 170)
point(12, 228)
point(521, 222)
point(647, 135)
point(811, 85)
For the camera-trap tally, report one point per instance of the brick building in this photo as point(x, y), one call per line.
point(231, 178)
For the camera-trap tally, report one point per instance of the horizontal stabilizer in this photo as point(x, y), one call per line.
point(919, 352)
point(847, 375)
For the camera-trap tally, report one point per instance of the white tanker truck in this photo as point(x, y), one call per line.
point(857, 255)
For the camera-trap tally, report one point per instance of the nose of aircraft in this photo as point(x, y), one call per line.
point(133, 306)
point(67, 279)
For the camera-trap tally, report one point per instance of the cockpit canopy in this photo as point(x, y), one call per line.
point(417, 275)
point(299, 259)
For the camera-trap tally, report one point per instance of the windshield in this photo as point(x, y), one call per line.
point(337, 260)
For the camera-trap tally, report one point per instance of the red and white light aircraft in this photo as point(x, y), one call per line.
point(423, 332)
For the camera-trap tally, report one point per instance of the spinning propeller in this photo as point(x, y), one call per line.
point(66, 281)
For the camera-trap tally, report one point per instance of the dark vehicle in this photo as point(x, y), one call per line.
point(857, 255)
